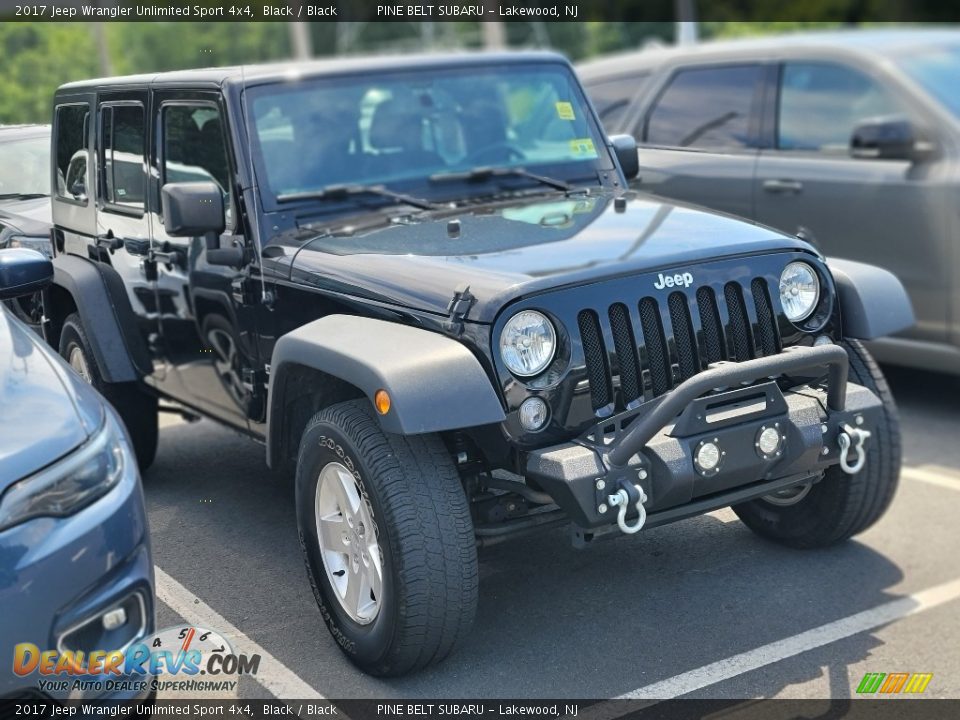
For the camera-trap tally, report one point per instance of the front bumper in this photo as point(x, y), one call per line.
point(655, 446)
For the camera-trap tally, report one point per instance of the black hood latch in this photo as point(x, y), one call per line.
point(458, 308)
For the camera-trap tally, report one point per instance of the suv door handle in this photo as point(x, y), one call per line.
point(783, 186)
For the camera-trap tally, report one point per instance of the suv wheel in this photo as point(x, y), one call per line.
point(137, 408)
point(387, 538)
point(839, 506)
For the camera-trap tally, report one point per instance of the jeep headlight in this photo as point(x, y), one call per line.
point(799, 291)
point(68, 486)
point(528, 343)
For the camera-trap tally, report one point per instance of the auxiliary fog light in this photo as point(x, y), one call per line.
point(768, 442)
point(533, 414)
point(708, 457)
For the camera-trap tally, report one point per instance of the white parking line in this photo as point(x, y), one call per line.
point(273, 675)
point(745, 662)
point(933, 475)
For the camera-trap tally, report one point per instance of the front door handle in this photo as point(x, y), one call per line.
point(779, 186)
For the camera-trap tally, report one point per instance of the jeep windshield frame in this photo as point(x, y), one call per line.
point(398, 128)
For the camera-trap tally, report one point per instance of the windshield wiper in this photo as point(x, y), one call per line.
point(23, 196)
point(339, 192)
point(489, 173)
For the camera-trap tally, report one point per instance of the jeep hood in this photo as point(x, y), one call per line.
point(45, 411)
point(507, 251)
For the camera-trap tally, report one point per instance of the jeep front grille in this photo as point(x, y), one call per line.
point(644, 350)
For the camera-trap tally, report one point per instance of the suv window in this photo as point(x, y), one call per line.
point(122, 140)
point(71, 126)
point(194, 149)
point(611, 98)
point(820, 103)
point(706, 108)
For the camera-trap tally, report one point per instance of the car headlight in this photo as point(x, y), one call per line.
point(71, 484)
point(528, 343)
point(40, 244)
point(799, 291)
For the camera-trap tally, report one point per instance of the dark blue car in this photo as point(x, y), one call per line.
point(75, 567)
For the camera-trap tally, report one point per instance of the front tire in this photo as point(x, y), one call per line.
point(387, 539)
point(839, 506)
point(137, 409)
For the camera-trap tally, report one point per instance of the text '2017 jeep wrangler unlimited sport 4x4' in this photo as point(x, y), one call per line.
point(420, 283)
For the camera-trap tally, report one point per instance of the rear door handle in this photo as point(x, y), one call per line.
point(783, 186)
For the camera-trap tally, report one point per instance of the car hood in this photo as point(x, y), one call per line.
point(45, 410)
point(31, 217)
point(511, 250)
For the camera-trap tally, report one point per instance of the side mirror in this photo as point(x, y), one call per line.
point(625, 148)
point(887, 138)
point(191, 209)
point(23, 272)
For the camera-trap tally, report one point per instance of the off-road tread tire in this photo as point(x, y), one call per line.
point(424, 515)
point(138, 409)
point(840, 506)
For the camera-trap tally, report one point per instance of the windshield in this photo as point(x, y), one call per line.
point(25, 166)
point(400, 129)
point(937, 70)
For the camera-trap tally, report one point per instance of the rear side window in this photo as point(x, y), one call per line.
point(821, 103)
point(611, 98)
point(72, 123)
point(707, 108)
point(122, 148)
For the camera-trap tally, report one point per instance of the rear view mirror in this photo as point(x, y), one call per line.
point(23, 272)
point(192, 209)
point(887, 138)
point(625, 148)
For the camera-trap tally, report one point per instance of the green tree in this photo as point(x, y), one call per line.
point(37, 58)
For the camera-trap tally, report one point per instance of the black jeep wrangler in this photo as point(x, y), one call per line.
point(422, 283)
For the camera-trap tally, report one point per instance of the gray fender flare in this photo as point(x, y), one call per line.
point(111, 326)
point(434, 382)
point(873, 302)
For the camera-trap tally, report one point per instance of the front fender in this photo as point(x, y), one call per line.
point(434, 382)
point(873, 302)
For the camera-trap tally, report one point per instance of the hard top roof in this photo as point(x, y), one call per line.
point(281, 71)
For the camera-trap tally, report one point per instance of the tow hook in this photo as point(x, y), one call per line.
point(851, 438)
point(629, 494)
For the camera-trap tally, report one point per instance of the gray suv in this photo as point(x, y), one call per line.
point(850, 140)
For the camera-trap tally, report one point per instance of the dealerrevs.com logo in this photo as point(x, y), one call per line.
point(894, 683)
point(181, 655)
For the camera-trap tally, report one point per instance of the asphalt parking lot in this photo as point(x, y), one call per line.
point(702, 608)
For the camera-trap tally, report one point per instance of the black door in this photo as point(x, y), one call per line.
point(206, 329)
point(122, 232)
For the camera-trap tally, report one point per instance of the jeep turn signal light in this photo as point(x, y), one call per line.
point(382, 400)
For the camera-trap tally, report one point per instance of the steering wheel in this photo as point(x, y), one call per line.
point(497, 152)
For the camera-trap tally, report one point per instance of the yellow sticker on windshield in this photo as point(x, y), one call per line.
point(565, 111)
point(583, 146)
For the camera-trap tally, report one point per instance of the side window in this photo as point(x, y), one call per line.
point(706, 108)
point(72, 124)
point(194, 149)
point(820, 103)
point(122, 140)
point(611, 98)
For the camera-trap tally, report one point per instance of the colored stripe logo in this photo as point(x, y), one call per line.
point(894, 683)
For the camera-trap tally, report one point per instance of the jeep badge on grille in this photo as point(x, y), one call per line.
point(677, 280)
